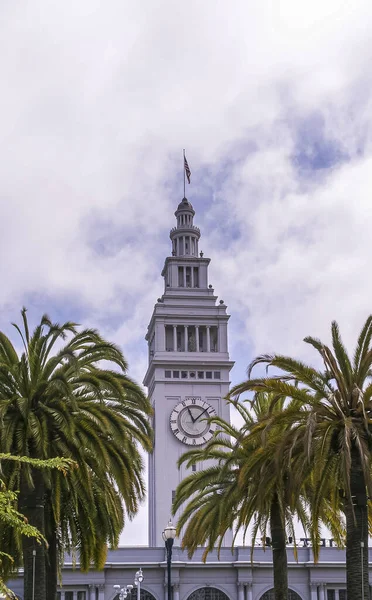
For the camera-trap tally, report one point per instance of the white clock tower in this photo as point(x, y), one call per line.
point(189, 366)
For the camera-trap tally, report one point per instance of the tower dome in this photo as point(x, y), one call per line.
point(185, 205)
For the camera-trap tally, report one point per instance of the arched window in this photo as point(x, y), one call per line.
point(145, 595)
point(270, 595)
point(208, 593)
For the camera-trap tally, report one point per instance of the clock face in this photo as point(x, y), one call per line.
point(189, 421)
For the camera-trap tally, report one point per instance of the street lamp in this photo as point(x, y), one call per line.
point(123, 591)
point(138, 578)
point(169, 534)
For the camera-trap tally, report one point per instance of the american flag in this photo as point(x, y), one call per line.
point(187, 169)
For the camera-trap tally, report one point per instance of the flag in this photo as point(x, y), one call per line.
point(187, 169)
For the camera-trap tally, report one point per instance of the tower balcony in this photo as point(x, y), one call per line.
point(171, 356)
point(183, 229)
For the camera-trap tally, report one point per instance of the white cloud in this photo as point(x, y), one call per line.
point(98, 100)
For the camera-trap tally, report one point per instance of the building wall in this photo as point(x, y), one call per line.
point(233, 573)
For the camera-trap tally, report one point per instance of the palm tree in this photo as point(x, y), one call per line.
point(255, 482)
point(13, 521)
point(335, 421)
point(65, 403)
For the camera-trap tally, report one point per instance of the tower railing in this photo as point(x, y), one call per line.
point(189, 227)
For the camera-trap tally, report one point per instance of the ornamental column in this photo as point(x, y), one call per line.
point(322, 591)
point(249, 591)
point(197, 337)
point(186, 338)
point(208, 338)
point(101, 592)
point(314, 591)
point(176, 591)
point(240, 591)
point(92, 592)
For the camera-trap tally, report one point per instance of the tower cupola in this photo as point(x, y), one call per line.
point(185, 236)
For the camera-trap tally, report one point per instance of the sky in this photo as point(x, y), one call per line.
point(272, 101)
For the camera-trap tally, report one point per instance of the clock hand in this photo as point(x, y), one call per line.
point(202, 413)
point(192, 418)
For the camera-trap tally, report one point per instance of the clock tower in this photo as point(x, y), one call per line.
point(188, 373)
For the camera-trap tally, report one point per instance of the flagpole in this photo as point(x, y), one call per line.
point(184, 175)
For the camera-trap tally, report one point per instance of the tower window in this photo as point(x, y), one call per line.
point(200, 374)
point(169, 338)
point(196, 277)
point(180, 276)
point(193, 468)
point(173, 495)
point(191, 339)
point(202, 339)
point(168, 374)
point(183, 374)
point(192, 374)
point(176, 374)
point(180, 339)
point(208, 375)
point(217, 374)
point(152, 346)
point(214, 339)
point(188, 276)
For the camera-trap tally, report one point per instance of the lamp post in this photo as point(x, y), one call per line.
point(123, 591)
point(138, 578)
point(169, 534)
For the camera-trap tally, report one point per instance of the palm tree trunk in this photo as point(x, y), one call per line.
point(278, 540)
point(31, 503)
point(51, 556)
point(51, 566)
point(357, 533)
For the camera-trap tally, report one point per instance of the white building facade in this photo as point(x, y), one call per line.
point(187, 379)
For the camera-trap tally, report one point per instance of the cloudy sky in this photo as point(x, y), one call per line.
point(271, 99)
